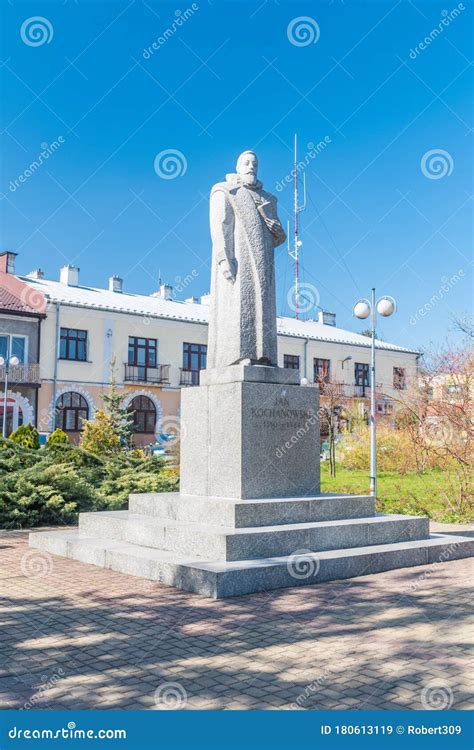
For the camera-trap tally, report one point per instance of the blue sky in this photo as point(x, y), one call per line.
point(230, 77)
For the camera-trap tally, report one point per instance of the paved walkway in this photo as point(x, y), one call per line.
point(74, 636)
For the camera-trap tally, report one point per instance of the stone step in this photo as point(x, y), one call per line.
point(225, 579)
point(221, 543)
point(220, 511)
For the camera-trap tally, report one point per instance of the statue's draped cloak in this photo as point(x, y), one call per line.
point(242, 322)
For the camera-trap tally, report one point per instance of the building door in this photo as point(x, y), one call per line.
point(14, 414)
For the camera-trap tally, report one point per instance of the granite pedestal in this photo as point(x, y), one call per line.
point(250, 432)
point(250, 516)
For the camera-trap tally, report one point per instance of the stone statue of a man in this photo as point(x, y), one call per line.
point(245, 229)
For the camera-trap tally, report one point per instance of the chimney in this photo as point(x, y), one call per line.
point(36, 274)
point(165, 292)
point(69, 275)
point(327, 318)
point(7, 262)
point(115, 284)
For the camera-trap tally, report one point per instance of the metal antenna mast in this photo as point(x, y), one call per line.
point(297, 208)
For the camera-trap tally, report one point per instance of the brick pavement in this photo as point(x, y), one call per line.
point(74, 636)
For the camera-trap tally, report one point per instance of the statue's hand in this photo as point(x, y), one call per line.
point(273, 225)
point(229, 269)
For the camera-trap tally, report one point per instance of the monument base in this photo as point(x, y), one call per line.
point(250, 431)
point(219, 547)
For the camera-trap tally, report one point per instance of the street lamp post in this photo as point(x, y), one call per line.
point(364, 308)
point(6, 362)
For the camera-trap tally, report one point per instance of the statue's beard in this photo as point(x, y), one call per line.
point(249, 179)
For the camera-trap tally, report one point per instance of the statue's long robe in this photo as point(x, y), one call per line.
point(242, 322)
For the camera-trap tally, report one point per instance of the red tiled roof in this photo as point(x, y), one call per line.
point(22, 304)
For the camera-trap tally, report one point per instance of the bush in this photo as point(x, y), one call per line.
point(53, 485)
point(27, 436)
point(99, 436)
point(57, 437)
point(394, 450)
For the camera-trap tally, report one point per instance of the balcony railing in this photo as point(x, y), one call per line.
point(346, 390)
point(21, 374)
point(158, 375)
point(189, 377)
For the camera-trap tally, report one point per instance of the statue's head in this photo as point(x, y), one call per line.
point(247, 167)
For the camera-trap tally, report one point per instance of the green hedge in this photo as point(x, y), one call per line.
point(53, 484)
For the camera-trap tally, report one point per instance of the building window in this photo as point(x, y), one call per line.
point(291, 361)
point(384, 407)
point(13, 346)
point(144, 414)
point(361, 373)
point(194, 360)
point(399, 378)
point(142, 352)
point(73, 344)
point(71, 410)
point(322, 370)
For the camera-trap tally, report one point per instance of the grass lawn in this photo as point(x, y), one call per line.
point(414, 494)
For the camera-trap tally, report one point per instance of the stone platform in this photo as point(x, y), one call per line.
point(220, 547)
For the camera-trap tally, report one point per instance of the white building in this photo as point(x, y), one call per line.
point(159, 345)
